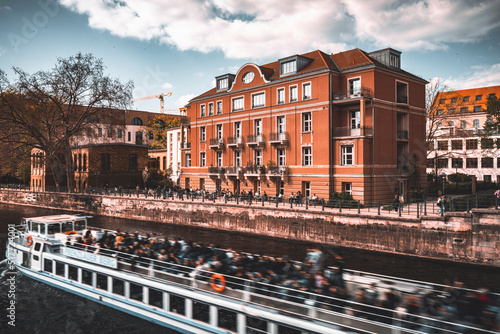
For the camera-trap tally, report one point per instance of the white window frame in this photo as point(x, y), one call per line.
point(203, 159)
point(237, 129)
point(307, 156)
point(210, 109)
point(307, 122)
point(280, 99)
point(259, 100)
point(476, 124)
point(187, 160)
point(219, 108)
point(294, 91)
point(203, 134)
point(347, 187)
point(203, 110)
point(219, 158)
point(238, 99)
point(344, 155)
point(258, 157)
point(222, 83)
point(306, 88)
point(354, 119)
point(281, 157)
point(280, 125)
point(258, 127)
point(289, 67)
point(219, 132)
point(353, 92)
point(237, 158)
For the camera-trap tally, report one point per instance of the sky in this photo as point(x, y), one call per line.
point(180, 46)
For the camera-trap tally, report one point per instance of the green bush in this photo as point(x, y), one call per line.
point(459, 178)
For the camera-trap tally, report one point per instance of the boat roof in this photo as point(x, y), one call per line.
point(56, 218)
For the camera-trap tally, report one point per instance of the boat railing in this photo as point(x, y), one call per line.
point(288, 297)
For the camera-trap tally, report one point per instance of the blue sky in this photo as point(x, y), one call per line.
point(182, 45)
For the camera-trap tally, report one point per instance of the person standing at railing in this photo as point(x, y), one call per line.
point(395, 203)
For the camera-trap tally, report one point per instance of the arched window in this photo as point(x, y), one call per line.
point(136, 121)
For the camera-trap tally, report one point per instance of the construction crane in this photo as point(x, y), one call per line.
point(158, 96)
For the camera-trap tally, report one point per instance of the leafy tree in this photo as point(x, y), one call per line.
point(493, 115)
point(157, 129)
point(48, 108)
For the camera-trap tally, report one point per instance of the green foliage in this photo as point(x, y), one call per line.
point(459, 178)
point(343, 196)
point(158, 127)
point(493, 115)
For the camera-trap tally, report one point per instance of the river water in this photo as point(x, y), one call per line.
point(44, 309)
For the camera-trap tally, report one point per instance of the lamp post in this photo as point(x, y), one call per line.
point(443, 176)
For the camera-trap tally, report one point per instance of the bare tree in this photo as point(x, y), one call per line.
point(48, 108)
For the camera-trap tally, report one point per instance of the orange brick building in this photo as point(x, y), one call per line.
point(305, 123)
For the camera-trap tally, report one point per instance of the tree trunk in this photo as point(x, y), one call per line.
point(70, 175)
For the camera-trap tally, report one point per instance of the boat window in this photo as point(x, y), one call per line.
point(177, 304)
point(118, 287)
point(201, 312)
point(135, 292)
point(37, 247)
point(73, 273)
point(155, 298)
point(255, 325)
point(287, 330)
point(42, 228)
point(102, 282)
point(80, 225)
point(227, 320)
point(53, 228)
point(86, 277)
point(59, 268)
point(47, 265)
point(67, 226)
point(34, 226)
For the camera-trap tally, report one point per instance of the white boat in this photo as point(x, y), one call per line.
point(43, 248)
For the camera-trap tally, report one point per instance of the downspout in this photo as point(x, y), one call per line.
point(373, 150)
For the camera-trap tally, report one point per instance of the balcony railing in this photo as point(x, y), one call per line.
point(402, 134)
point(234, 141)
point(234, 170)
point(357, 93)
point(216, 143)
point(255, 169)
point(350, 132)
point(186, 146)
point(256, 139)
point(278, 137)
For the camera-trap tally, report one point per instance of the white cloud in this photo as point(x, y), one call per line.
point(271, 28)
point(184, 99)
point(479, 76)
point(2, 51)
point(167, 85)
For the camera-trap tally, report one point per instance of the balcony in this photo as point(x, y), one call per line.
point(216, 171)
point(256, 140)
point(235, 142)
point(402, 99)
point(349, 95)
point(255, 170)
point(402, 134)
point(216, 143)
point(347, 131)
point(234, 171)
point(278, 138)
point(185, 146)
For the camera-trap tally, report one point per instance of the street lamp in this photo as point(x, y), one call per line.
point(443, 176)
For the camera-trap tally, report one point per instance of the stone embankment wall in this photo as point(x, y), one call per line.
point(469, 237)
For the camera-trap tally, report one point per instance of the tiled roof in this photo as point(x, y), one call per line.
point(351, 59)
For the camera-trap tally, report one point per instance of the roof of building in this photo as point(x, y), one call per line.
point(460, 101)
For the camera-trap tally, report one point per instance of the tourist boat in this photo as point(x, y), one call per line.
point(192, 301)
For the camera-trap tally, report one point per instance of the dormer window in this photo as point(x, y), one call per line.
point(293, 64)
point(289, 67)
point(222, 84)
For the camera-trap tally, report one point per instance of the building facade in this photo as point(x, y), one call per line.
point(169, 157)
point(311, 123)
point(458, 143)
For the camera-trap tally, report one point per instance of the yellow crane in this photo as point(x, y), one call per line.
point(158, 96)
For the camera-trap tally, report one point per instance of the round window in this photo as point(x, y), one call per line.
point(248, 77)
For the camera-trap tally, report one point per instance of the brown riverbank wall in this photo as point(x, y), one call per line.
point(468, 237)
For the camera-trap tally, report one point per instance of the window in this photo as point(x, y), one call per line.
point(491, 96)
point(293, 93)
point(355, 87)
point(402, 92)
point(248, 77)
point(132, 162)
point(441, 101)
point(347, 187)
point(430, 146)
point(281, 126)
point(463, 124)
point(258, 100)
point(475, 123)
point(202, 159)
point(119, 133)
point(430, 163)
point(238, 104)
point(187, 160)
point(306, 156)
point(355, 117)
point(237, 158)
point(477, 108)
point(129, 136)
point(219, 159)
point(99, 132)
point(84, 162)
point(210, 109)
point(453, 100)
point(258, 127)
point(464, 110)
point(306, 91)
point(471, 144)
point(471, 163)
point(306, 122)
point(347, 156)
point(258, 157)
point(288, 67)
point(457, 144)
point(237, 129)
point(442, 163)
point(136, 121)
point(487, 143)
point(487, 178)
point(202, 110)
point(105, 162)
point(306, 188)
point(479, 97)
point(110, 132)
point(442, 145)
point(486, 162)
point(440, 111)
point(222, 83)
point(281, 157)
point(202, 133)
point(219, 107)
point(457, 163)
point(281, 95)
point(465, 99)
point(219, 132)
point(451, 123)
